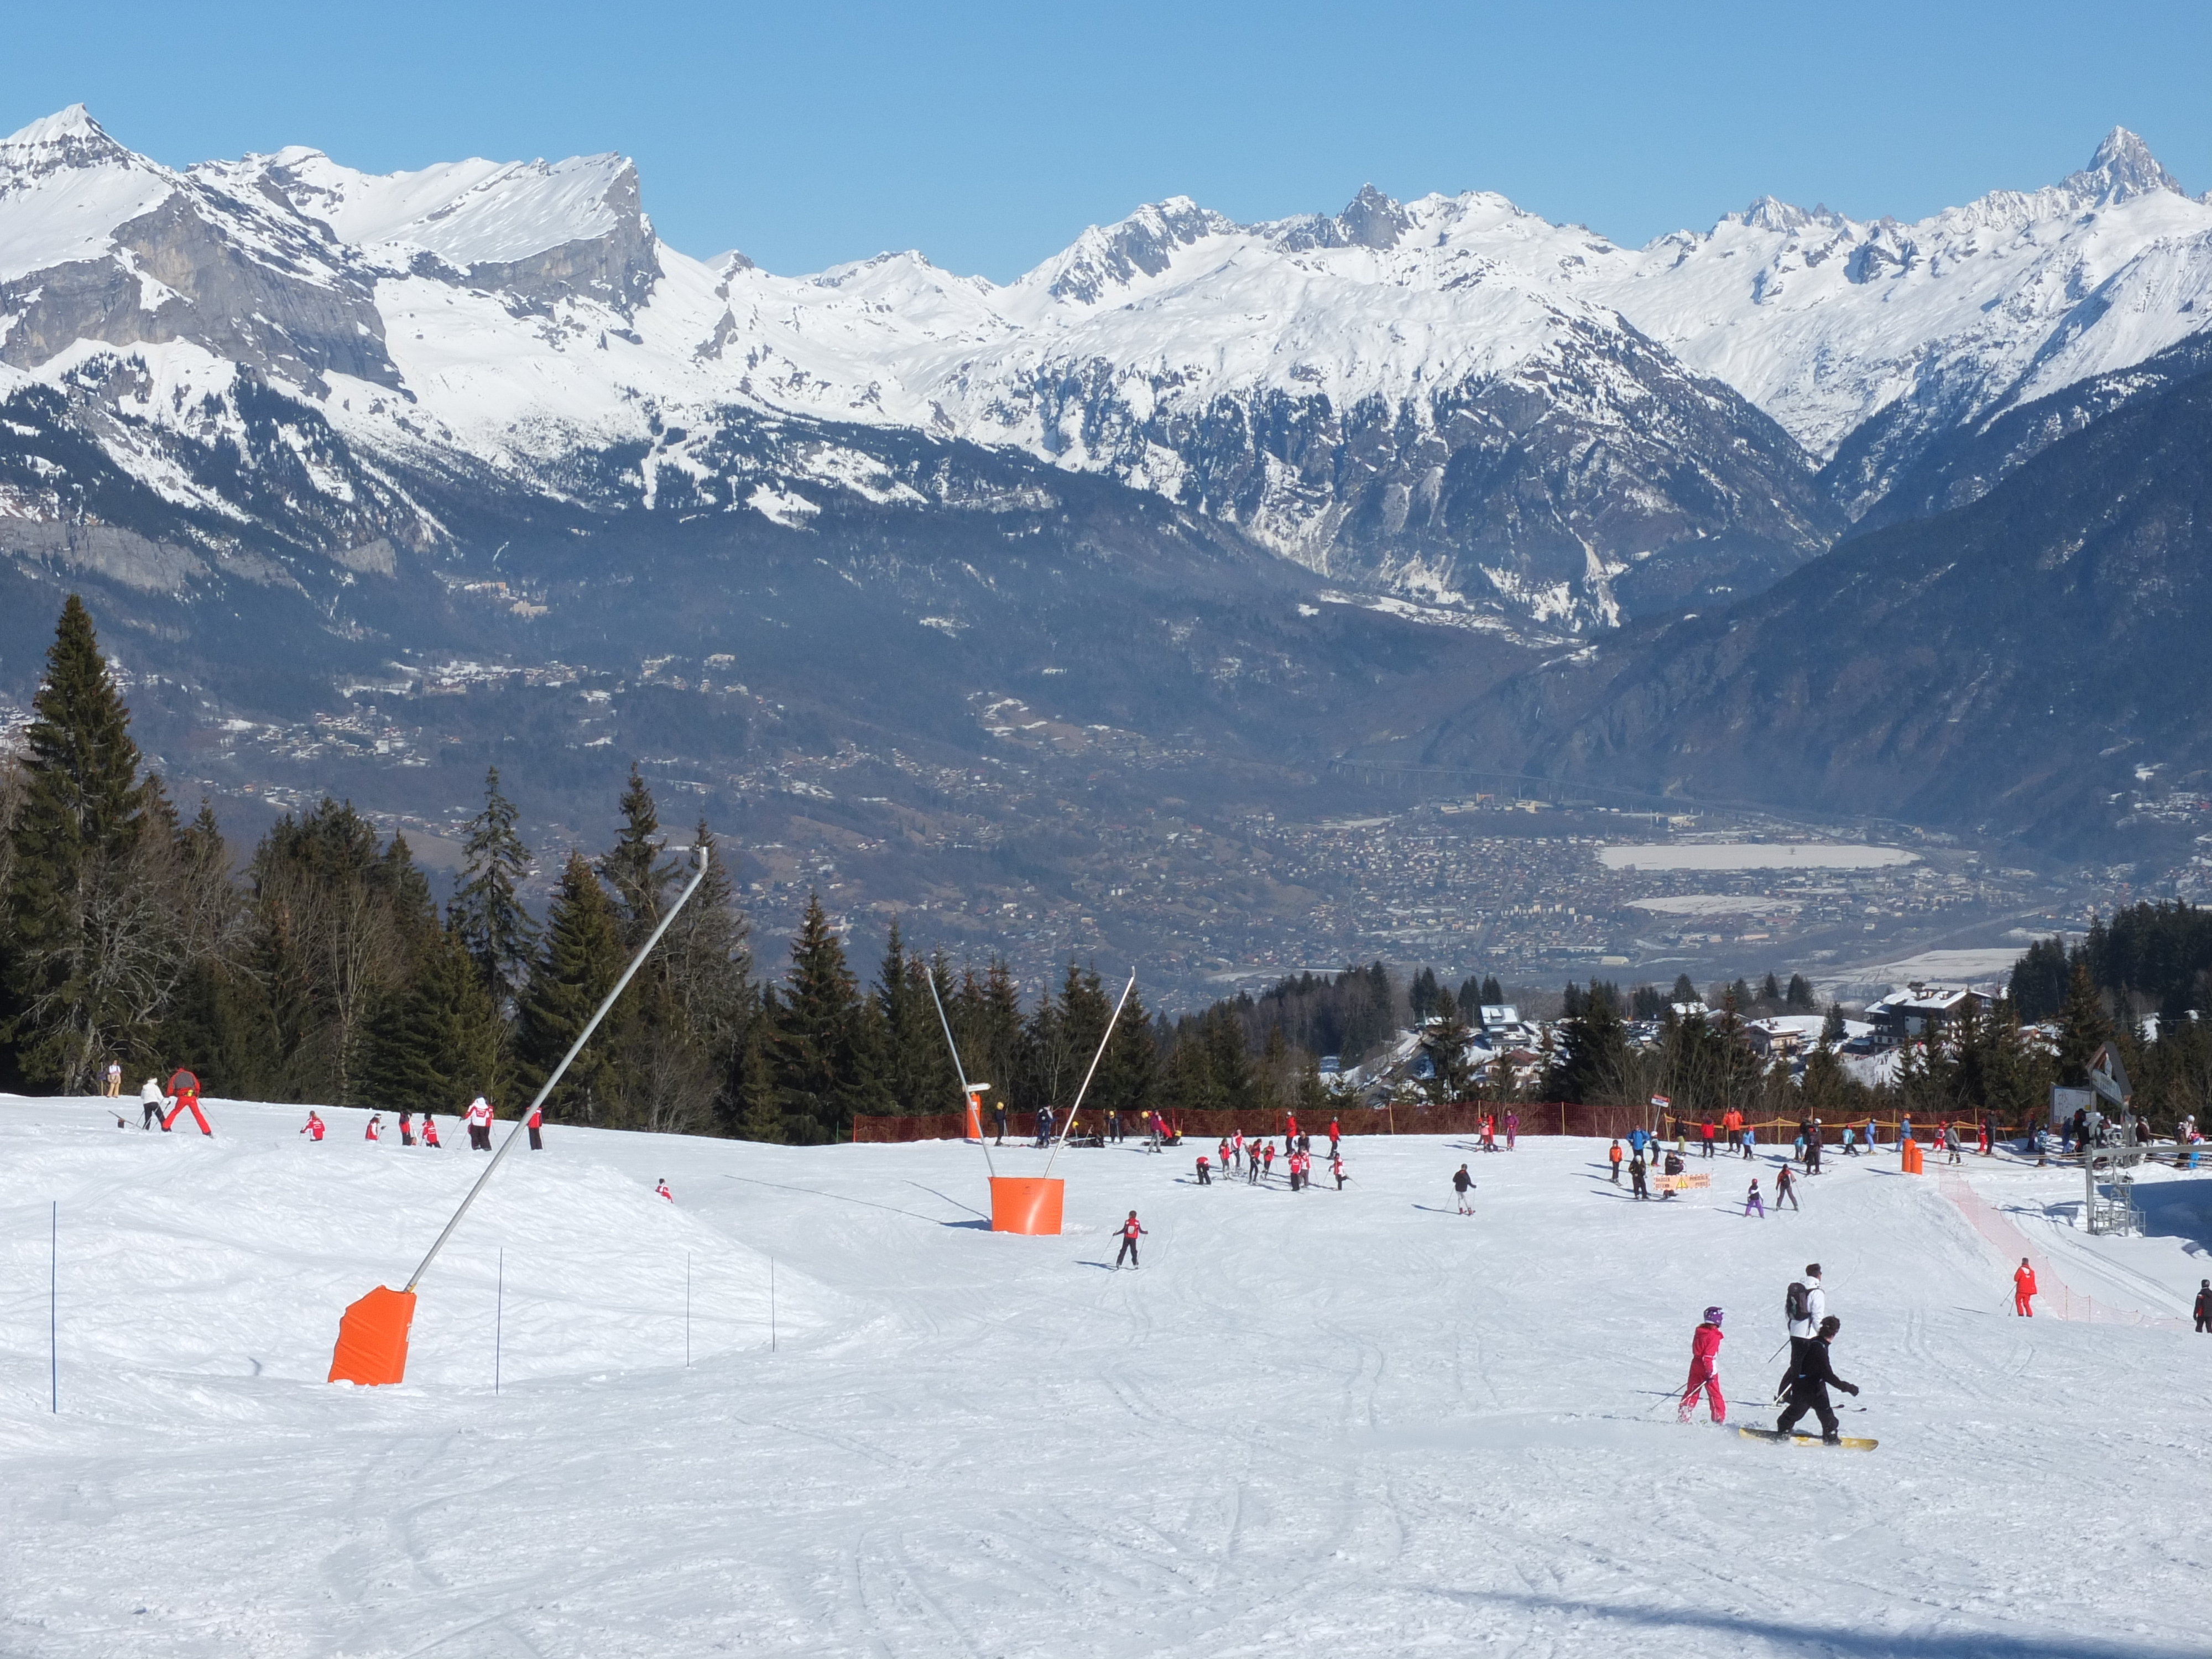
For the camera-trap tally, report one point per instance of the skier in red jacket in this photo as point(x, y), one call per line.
point(2023, 1290)
point(1131, 1233)
point(661, 1187)
point(1704, 1368)
point(534, 1122)
point(313, 1128)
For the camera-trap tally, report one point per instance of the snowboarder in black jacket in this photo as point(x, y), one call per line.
point(1808, 1384)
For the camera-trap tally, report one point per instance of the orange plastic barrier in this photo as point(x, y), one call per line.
point(373, 1339)
point(1026, 1204)
point(1910, 1159)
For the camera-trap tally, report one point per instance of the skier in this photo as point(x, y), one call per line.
point(1819, 1136)
point(2204, 1304)
point(1808, 1384)
point(1336, 1134)
point(1704, 1368)
point(152, 1101)
point(1252, 1167)
point(113, 1085)
point(1850, 1150)
point(1804, 1304)
point(1131, 1233)
point(1204, 1178)
point(1750, 1140)
point(1336, 1169)
point(314, 1126)
point(535, 1123)
point(1613, 1156)
point(406, 1128)
point(1462, 1183)
point(478, 1120)
point(375, 1122)
point(1786, 1191)
point(998, 1111)
point(1754, 1201)
point(1512, 1129)
point(1636, 1175)
point(661, 1187)
point(1221, 1154)
point(1872, 1136)
point(429, 1130)
point(1267, 1159)
point(1706, 1133)
point(2023, 1290)
point(1488, 1143)
point(1951, 1141)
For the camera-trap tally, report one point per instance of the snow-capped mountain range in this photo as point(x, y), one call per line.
point(1449, 403)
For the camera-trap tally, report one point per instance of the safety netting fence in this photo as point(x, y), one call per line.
point(2055, 1297)
point(1460, 1118)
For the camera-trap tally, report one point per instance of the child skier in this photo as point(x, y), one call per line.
point(375, 1123)
point(1336, 1169)
point(1462, 1183)
point(1612, 1157)
point(314, 1126)
point(429, 1130)
point(534, 1123)
point(1754, 1201)
point(478, 1119)
point(1131, 1233)
point(1704, 1368)
point(406, 1128)
point(661, 1187)
point(1786, 1191)
point(1204, 1179)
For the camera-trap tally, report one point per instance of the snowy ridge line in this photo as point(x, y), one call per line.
point(1994, 1226)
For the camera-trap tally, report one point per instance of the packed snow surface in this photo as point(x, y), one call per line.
point(1753, 855)
point(1341, 1424)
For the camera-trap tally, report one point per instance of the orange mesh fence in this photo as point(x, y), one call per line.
point(2054, 1298)
point(1463, 1118)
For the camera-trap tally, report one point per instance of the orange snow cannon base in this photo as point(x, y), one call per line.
point(1026, 1204)
point(1910, 1159)
point(373, 1337)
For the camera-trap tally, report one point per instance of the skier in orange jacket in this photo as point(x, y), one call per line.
point(2023, 1290)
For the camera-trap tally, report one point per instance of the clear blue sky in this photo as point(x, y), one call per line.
point(987, 134)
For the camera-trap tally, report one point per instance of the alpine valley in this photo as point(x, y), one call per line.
point(930, 588)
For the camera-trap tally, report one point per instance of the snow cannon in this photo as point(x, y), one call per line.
point(1026, 1204)
point(373, 1339)
point(372, 1346)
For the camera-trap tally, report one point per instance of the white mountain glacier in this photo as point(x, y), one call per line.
point(1448, 399)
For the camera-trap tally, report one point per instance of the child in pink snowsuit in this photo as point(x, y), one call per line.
point(1704, 1368)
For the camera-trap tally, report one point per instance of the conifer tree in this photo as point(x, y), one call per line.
point(1593, 1065)
point(2083, 1027)
point(84, 927)
point(581, 958)
point(434, 1040)
point(498, 931)
point(1492, 992)
point(811, 1044)
point(760, 1107)
point(636, 868)
point(1450, 1077)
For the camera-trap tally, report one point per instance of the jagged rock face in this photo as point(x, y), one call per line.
point(257, 288)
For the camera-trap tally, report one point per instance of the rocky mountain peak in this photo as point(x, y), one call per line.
point(2122, 168)
point(1373, 220)
point(68, 139)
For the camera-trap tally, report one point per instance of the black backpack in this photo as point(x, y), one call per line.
point(1793, 1302)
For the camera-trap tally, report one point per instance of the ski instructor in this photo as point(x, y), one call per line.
point(1808, 1384)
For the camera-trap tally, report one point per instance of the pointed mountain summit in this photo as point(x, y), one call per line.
point(2122, 169)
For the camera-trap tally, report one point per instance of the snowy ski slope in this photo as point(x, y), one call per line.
point(1350, 1424)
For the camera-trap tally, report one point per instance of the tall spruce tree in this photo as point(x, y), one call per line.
point(486, 908)
point(581, 958)
point(434, 1040)
point(637, 867)
point(813, 1044)
point(84, 927)
point(1593, 1064)
point(2083, 1026)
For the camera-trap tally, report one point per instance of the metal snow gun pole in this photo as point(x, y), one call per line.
point(371, 1346)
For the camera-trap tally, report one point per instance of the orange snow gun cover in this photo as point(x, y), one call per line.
point(372, 1346)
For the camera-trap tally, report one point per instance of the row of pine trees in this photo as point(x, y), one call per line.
point(323, 971)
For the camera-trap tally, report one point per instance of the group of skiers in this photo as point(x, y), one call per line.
point(1256, 1159)
point(477, 1119)
point(1804, 1387)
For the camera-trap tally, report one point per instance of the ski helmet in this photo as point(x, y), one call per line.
point(1712, 1315)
